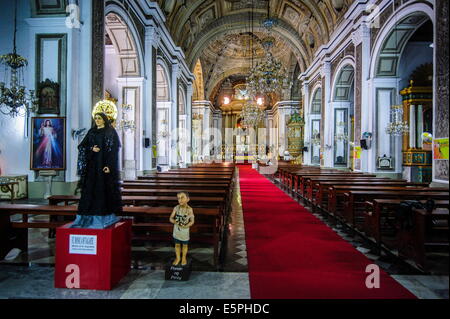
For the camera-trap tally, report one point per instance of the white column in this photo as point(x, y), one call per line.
point(173, 156)
point(306, 113)
point(367, 100)
point(132, 147)
point(329, 117)
point(207, 119)
point(151, 40)
point(419, 126)
point(412, 126)
point(282, 145)
point(217, 132)
point(189, 124)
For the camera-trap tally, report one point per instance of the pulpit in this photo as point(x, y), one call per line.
point(295, 131)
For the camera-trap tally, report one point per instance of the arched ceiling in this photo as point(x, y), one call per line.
point(218, 32)
point(119, 36)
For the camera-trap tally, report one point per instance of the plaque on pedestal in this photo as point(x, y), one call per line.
point(179, 272)
point(92, 258)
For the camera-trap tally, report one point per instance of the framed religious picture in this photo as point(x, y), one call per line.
point(48, 144)
point(385, 162)
point(48, 94)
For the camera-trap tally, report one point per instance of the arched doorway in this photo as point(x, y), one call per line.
point(123, 84)
point(315, 118)
point(404, 54)
point(163, 105)
point(343, 111)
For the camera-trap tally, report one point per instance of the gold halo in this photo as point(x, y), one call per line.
point(106, 106)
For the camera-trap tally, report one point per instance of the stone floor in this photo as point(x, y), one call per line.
point(30, 275)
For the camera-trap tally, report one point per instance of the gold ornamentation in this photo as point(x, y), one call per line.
point(106, 106)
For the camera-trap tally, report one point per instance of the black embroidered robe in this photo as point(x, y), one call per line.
point(100, 191)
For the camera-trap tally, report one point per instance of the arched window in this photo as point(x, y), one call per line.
point(162, 84)
point(181, 102)
point(316, 104)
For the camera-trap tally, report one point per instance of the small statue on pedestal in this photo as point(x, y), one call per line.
point(182, 217)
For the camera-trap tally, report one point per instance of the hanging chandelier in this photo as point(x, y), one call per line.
point(340, 135)
point(251, 115)
point(315, 138)
point(15, 100)
point(269, 75)
point(397, 126)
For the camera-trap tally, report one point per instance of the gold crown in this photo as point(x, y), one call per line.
point(107, 107)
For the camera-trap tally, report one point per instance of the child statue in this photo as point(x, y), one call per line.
point(182, 217)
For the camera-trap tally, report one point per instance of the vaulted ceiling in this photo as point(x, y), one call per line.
point(223, 34)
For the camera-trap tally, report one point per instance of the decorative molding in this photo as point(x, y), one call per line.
point(442, 70)
point(441, 170)
point(383, 17)
point(358, 96)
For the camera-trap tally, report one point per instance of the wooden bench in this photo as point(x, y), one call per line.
point(173, 192)
point(174, 185)
point(379, 210)
point(429, 233)
point(320, 197)
point(167, 176)
point(336, 196)
point(354, 201)
point(208, 227)
point(168, 201)
point(307, 180)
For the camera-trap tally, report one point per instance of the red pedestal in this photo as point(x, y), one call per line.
point(92, 258)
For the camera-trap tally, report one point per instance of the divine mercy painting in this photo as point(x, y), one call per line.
point(48, 143)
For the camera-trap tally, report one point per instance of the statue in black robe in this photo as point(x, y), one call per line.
point(98, 168)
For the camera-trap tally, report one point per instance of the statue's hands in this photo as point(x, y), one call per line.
point(106, 169)
point(96, 149)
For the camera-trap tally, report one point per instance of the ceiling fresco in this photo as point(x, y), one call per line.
point(226, 35)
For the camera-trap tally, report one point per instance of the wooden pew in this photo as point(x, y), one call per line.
point(378, 210)
point(293, 177)
point(173, 185)
point(354, 201)
point(172, 192)
point(167, 201)
point(307, 180)
point(196, 172)
point(429, 233)
point(167, 176)
point(208, 227)
point(320, 197)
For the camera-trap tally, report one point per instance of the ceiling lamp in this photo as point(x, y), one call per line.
point(251, 115)
point(14, 100)
point(397, 126)
point(269, 75)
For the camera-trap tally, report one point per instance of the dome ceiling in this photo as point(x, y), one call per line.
point(218, 32)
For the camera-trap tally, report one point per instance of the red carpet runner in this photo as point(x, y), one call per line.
point(292, 254)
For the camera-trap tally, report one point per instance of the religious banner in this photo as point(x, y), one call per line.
point(358, 151)
point(441, 148)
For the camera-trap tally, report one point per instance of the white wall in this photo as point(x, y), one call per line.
point(14, 140)
point(14, 144)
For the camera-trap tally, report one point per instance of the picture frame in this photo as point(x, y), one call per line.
point(48, 143)
point(49, 7)
point(49, 97)
point(385, 162)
